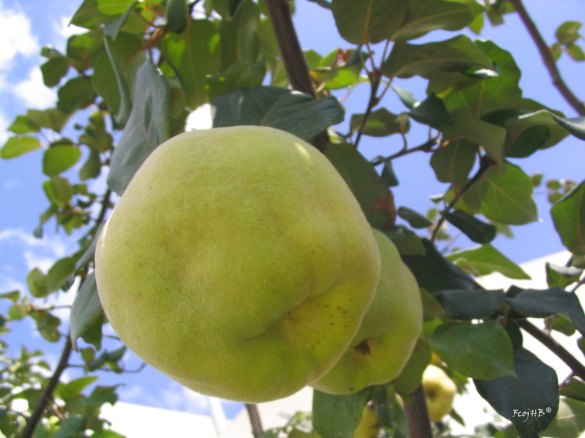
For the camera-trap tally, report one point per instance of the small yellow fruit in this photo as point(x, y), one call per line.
point(388, 332)
point(238, 262)
point(369, 425)
point(439, 391)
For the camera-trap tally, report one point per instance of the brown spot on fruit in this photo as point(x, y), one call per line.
point(363, 348)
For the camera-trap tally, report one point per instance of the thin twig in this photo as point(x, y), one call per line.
point(427, 146)
point(48, 391)
point(292, 56)
point(548, 59)
point(563, 354)
point(374, 77)
point(255, 420)
point(484, 164)
point(419, 425)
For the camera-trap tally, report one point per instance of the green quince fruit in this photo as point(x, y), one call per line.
point(238, 262)
point(388, 332)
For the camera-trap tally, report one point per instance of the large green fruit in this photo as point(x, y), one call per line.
point(238, 262)
point(388, 332)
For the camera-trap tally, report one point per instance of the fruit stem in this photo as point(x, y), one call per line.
point(255, 420)
point(419, 425)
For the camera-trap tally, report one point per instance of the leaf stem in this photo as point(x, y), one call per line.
point(419, 425)
point(562, 353)
point(255, 420)
point(427, 146)
point(48, 391)
point(292, 56)
point(548, 59)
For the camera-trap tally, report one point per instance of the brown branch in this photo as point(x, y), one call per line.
point(427, 146)
point(374, 77)
point(562, 353)
point(292, 56)
point(48, 391)
point(419, 425)
point(255, 420)
point(548, 59)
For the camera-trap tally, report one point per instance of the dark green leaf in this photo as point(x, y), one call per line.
point(530, 400)
point(432, 112)
point(53, 70)
point(434, 272)
point(411, 375)
point(427, 15)
point(47, 325)
point(77, 93)
point(543, 303)
point(405, 96)
point(569, 220)
point(176, 15)
point(416, 220)
point(238, 75)
point(147, 127)
point(368, 21)
point(476, 230)
point(17, 146)
point(112, 29)
point(240, 41)
point(472, 304)
point(561, 276)
point(452, 163)
point(193, 55)
point(59, 158)
point(388, 174)
point(366, 185)
point(84, 49)
point(486, 259)
point(299, 114)
point(92, 166)
point(337, 416)
point(482, 351)
point(508, 196)
point(51, 118)
point(456, 54)
point(575, 126)
point(408, 244)
point(380, 123)
point(86, 308)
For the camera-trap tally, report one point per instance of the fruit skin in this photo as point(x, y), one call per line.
point(369, 425)
point(439, 392)
point(388, 332)
point(238, 262)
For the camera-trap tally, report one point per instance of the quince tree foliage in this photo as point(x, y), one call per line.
point(140, 68)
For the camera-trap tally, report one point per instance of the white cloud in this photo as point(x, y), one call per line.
point(3, 124)
point(64, 30)
point(16, 37)
point(33, 92)
point(179, 398)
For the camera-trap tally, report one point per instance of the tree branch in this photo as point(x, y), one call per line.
point(255, 420)
point(48, 391)
point(374, 77)
point(427, 146)
point(419, 425)
point(563, 354)
point(548, 59)
point(292, 56)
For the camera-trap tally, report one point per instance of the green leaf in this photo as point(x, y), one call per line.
point(86, 309)
point(84, 49)
point(237, 75)
point(405, 96)
point(569, 421)
point(112, 29)
point(92, 13)
point(380, 123)
point(176, 15)
point(101, 395)
point(193, 55)
point(53, 70)
point(147, 127)
point(486, 259)
point(337, 416)
point(575, 125)
point(508, 196)
point(240, 40)
point(435, 273)
point(561, 276)
point(52, 118)
point(415, 220)
point(388, 174)
point(23, 125)
point(568, 32)
point(74, 387)
point(470, 304)
point(92, 166)
point(59, 158)
point(534, 389)
point(432, 112)
point(411, 375)
point(47, 325)
point(452, 163)
point(482, 351)
point(17, 146)
point(58, 191)
point(575, 52)
point(574, 388)
point(77, 93)
point(368, 21)
point(36, 281)
point(59, 272)
point(568, 216)
point(476, 230)
point(370, 191)
point(424, 16)
point(71, 427)
point(543, 303)
point(297, 113)
point(466, 126)
point(456, 54)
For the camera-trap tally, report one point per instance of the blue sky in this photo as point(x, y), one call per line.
point(26, 26)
